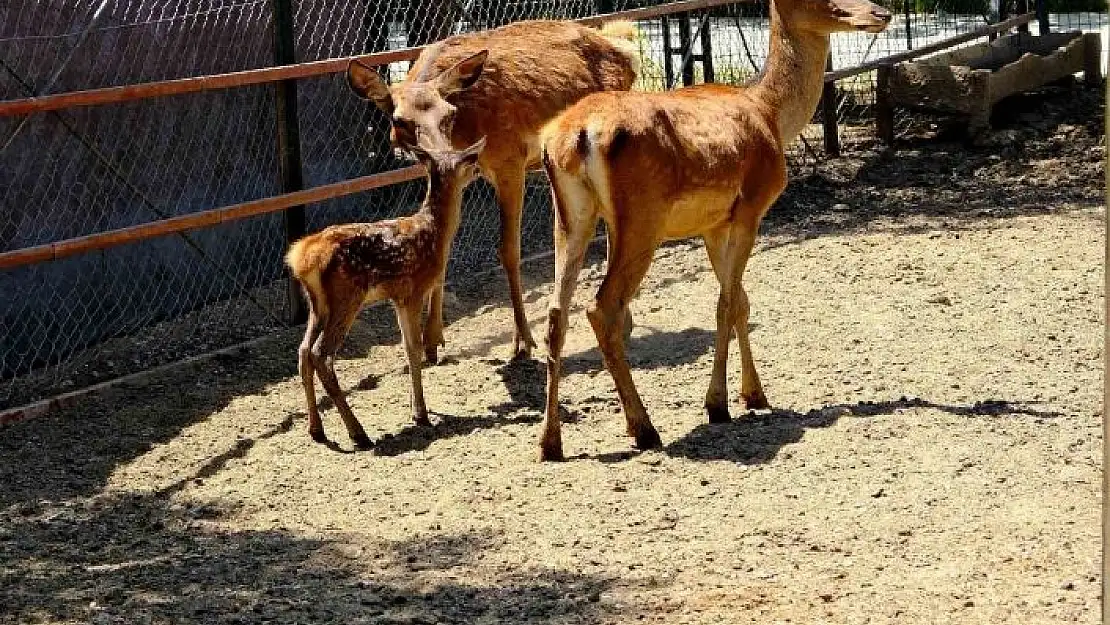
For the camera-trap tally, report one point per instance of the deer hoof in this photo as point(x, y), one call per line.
point(522, 347)
point(648, 438)
point(362, 443)
point(756, 401)
point(718, 414)
point(318, 435)
point(551, 452)
point(421, 419)
point(431, 356)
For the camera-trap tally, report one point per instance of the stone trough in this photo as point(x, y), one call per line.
point(968, 82)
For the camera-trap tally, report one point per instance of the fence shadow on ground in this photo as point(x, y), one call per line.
point(138, 559)
point(758, 438)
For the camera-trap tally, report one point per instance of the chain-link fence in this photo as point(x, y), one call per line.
point(78, 171)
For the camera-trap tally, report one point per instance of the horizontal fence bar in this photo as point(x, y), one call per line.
point(128, 93)
point(173, 225)
point(658, 11)
point(908, 55)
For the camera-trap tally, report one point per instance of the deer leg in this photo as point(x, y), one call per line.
point(323, 360)
point(571, 241)
point(510, 198)
point(408, 317)
point(628, 324)
point(606, 315)
point(751, 390)
point(433, 326)
point(721, 251)
point(305, 366)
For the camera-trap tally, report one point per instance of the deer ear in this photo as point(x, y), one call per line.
point(368, 85)
point(462, 75)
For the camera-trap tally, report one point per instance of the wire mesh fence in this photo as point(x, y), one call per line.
point(73, 172)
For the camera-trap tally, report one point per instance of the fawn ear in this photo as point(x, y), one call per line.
point(368, 85)
point(462, 75)
point(470, 155)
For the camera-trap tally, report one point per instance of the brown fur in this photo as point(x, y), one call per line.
point(703, 161)
point(343, 267)
point(503, 84)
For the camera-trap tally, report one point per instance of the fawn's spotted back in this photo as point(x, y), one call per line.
point(386, 250)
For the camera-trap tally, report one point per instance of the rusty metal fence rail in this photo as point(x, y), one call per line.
point(153, 155)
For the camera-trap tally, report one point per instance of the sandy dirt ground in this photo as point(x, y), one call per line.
point(927, 323)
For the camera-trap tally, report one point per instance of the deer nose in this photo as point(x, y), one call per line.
point(881, 14)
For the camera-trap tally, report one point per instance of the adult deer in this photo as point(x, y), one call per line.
point(701, 161)
point(343, 267)
point(502, 84)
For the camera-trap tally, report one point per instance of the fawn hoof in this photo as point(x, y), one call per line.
point(648, 438)
point(362, 443)
point(718, 414)
point(318, 435)
point(755, 401)
point(421, 419)
point(551, 452)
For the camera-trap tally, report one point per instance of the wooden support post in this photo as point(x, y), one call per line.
point(828, 113)
point(1092, 59)
point(884, 105)
point(1023, 8)
point(289, 144)
point(685, 49)
point(668, 52)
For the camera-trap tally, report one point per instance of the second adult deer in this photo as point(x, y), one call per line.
point(344, 267)
point(702, 161)
point(502, 84)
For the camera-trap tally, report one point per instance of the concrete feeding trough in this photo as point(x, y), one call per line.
point(968, 82)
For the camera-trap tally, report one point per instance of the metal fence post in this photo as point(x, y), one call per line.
point(828, 113)
point(1042, 17)
point(884, 106)
point(909, 29)
point(289, 143)
point(707, 72)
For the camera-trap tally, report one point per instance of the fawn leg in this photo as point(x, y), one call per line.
point(307, 371)
point(433, 326)
point(408, 317)
point(323, 357)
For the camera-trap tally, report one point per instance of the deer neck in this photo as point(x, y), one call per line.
point(793, 77)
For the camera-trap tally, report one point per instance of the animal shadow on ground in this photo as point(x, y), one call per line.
point(141, 558)
point(524, 379)
point(757, 438)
